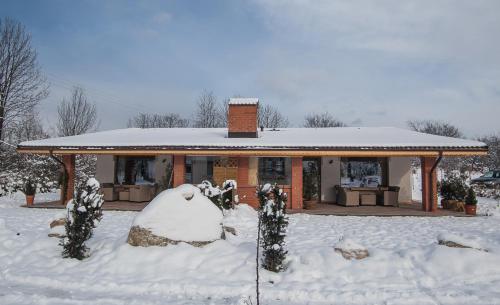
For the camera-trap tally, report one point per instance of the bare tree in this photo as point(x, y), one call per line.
point(322, 120)
point(271, 117)
point(167, 120)
point(208, 113)
point(435, 128)
point(22, 85)
point(77, 115)
point(26, 128)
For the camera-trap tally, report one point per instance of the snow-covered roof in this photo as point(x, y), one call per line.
point(339, 138)
point(243, 101)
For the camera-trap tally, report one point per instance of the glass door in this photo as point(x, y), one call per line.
point(311, 179)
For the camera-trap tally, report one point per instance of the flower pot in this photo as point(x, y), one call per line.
point(470, 209)
point(30, 199)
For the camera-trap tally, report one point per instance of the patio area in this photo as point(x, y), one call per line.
point(413, 209)
point(107, 206)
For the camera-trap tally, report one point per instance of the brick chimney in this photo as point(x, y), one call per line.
point(242, 118)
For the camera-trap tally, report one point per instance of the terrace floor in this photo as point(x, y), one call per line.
point(413, 209)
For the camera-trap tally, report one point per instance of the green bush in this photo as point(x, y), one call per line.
point(471, 197)
point(453, 188)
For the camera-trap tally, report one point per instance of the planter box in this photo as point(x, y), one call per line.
point(454, 205)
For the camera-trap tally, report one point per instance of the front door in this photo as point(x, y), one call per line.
point(311, 179)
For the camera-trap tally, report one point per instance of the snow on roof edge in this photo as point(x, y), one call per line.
point(359, 138)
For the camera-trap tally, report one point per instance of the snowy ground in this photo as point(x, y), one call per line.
point(406, 265)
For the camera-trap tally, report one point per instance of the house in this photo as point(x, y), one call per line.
point(321, 164)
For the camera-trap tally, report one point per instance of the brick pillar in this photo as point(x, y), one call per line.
point(429, 184)
point(69, 164)
point(296, 196)
point(179, 169)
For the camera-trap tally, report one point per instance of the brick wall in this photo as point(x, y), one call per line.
point(242, 120)
point(69, 164)
point(296, 196)
point(179, 170)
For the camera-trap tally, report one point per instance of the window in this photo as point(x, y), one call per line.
point(364, 172)
point(135, 170)
point(275, 170)
point(199, 169)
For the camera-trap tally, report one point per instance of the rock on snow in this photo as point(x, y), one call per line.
point(181, 214)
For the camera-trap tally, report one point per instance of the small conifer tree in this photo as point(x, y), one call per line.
point(470, 199)
point(84, 213)
point(273, 227)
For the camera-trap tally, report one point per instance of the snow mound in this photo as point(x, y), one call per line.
point(182, 214)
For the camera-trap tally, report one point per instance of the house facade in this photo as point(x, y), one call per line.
point(312, 164)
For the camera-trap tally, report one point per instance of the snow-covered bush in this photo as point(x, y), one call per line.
point(222, 197)
point(273, 225)
point(16, 169)
point(83, 214)
point(85, 167)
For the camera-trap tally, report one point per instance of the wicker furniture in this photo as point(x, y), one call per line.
point(346, 196)
point(354, 196)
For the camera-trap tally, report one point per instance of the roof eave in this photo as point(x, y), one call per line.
point(295, 151)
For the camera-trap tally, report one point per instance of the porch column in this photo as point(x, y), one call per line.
point(69, 165)
point(179, 169)
point(429, 184)
point(296, 197)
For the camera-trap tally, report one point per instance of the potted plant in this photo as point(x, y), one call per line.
point(29, 189)
point(453, 191)
point(470, 202)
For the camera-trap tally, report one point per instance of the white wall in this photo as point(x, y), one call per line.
point(400, 175)
point(105, 169)
point(330, 176)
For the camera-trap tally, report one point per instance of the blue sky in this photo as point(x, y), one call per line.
point(370, 63)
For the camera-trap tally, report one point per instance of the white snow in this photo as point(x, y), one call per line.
point(193, 138)
point(349, 244)
point(182, 213)
point(406, 265)
point(243, 101)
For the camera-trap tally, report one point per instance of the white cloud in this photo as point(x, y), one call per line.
point(424, 59)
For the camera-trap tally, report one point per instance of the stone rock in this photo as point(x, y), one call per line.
point(57, 228)
point(140, 237)
point(58, 222)
point(353, 253)
point(230, 230)
point(452, 244)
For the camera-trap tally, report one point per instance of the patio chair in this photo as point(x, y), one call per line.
point(391, 196)
point(347, 197)
point(109, 192)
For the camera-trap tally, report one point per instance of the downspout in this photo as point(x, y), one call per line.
point(64, 183)
point(433, 168)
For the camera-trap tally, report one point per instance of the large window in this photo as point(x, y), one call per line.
point(135, 170)
point(275, 170)
point(364, 172)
